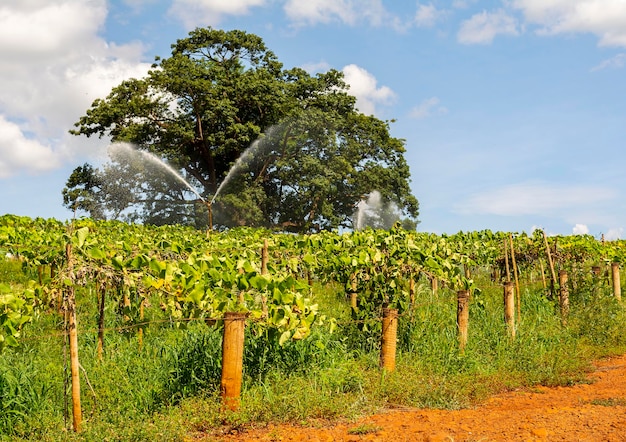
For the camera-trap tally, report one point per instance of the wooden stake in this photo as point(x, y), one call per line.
point(389, 337)
point(264, 257)
point(102, 288)
point(73, 338)
point(433, 285)
point(462, 317)
point(353, 292)
point(563, 296)
point(264, 261)
point(617, 290)
point(515, 275)
point(232, 359)
point(141, 316)
point(545, 239)
point(509, 308)
point(411, 293)
point(506, 261)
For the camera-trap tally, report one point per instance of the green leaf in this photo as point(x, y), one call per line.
point(96, 253)
point(284, 337)
point(81, 235)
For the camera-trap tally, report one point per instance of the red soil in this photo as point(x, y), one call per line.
point(591, 412)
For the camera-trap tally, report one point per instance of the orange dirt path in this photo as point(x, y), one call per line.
point(591, 412)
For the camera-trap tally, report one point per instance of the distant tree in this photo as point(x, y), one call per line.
point(81, 191)
point(203, 107)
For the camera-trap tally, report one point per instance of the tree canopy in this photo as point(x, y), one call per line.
point(304, 156)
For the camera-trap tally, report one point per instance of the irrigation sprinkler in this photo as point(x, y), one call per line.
point(209, 205)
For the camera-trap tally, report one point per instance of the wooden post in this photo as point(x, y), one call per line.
point(141, 317)
point(232, 359)
point(563, 296)
point(102, 288)
point(495, 273)
point(433, 285)
point(516, 277)
point(77, 414)
point(264, 261)
point(509, 308)
point(545, 239)
point(462, 317)
point(595, 279)
point(264, 257)
point(411, 293)
point(353, 293)
point(210, 214)
point(126, 302)
point(506, 260)
point(617, 290)
point(389, 337)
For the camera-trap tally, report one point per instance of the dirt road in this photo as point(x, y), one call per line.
point(591, 412)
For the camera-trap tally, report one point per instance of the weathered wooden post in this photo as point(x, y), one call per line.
point(617, 290)
point(545, 239)
point(353, 293)
point(265, 257)
point(232, 359)
point(389, 337)
point(462, 317)
point(515, 277)
point(434, 284)
point(509, 308)
point(70, 305)
point(563, 296)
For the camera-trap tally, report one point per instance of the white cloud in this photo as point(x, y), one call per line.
point(311, 12)
point(41, 28)
point(613, 234)
point(482, 28)
point(193, 13)
point(428, 108)
point(18, 153)
point(615, 62)
point(363, 86)
point(580, 229)
point(535, 198)
point(427, 15)
point(53, 65)
point(604, 18)
point(350, 12)
point(312, 68)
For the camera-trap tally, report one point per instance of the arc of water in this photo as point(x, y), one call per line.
point(129, 149)
point(247, 154)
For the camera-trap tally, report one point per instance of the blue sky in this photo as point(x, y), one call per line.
point(513, 111)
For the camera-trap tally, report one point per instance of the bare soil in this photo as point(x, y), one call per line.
point(593, 412)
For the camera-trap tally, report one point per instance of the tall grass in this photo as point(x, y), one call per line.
point(169, 388)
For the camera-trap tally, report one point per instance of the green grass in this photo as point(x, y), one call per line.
point(610, 402)
point(365, 429)
point(170, 388)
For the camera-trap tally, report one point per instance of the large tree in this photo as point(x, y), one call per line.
point(306, 156)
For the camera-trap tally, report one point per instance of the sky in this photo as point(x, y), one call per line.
point(513, 112)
